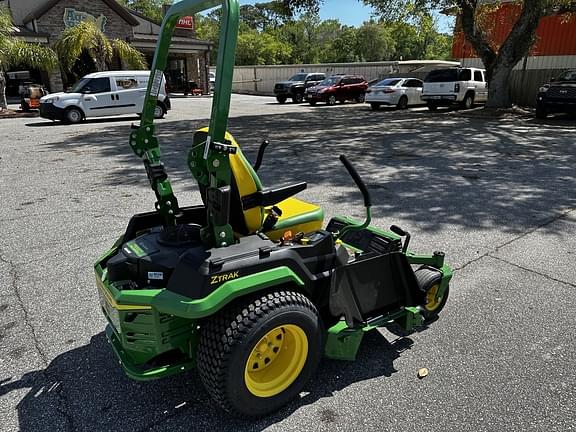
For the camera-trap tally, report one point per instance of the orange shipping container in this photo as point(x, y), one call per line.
point(555, 36)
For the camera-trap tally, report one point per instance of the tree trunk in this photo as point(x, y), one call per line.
point(499, 88)
point(516, 46)
point(3, 102)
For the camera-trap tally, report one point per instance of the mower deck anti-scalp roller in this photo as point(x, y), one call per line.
point(251, 288)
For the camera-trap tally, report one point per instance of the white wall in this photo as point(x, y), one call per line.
point(261, 79)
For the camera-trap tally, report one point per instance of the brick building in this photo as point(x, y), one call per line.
point(42, 21)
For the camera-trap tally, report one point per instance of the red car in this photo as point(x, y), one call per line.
point(338, 88)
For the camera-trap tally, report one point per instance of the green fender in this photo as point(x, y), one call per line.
point(181, 306)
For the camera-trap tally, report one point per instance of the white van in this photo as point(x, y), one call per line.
point(103, 94)
point(455, 86)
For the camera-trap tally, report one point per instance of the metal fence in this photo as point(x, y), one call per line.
point(525, 84)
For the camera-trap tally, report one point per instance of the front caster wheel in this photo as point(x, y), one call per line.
point(429, 282)
point(257, 355)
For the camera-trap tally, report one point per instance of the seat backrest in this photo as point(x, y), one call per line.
point(245, 182)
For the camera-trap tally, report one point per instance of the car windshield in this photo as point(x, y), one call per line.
point(568, 76)
point(388, 82)
point(442, 75)
point(77, 88)
point(330, 81)
point(298, 77)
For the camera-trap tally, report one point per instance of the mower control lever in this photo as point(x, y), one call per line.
point(260, 155)
point(361, 185)
point(367, 201)
point(397, 230)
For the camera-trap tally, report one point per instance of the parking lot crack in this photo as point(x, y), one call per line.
point(547, 222)
point(14, 278)
point(544, 275)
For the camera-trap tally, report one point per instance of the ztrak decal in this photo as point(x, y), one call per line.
point(224, 277)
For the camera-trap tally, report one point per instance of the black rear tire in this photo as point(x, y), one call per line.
point(432, 106)
point(312, 103)
point(159, 111)
point(468, 101)
point(375, 106)
point(232, 338)
point(429, 282)
point(541, 112)
point(360, 98)
point(331, 100)
point(297, 98)
point(402, 103)
point(281, 99)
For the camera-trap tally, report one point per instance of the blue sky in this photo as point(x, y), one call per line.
point(352, 12)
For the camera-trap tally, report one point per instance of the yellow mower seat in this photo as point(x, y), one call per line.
point(297, 215)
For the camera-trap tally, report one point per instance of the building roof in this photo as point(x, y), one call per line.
point(144, 17)
point(121, 11)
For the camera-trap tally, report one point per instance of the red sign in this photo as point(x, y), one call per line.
point(186, 22)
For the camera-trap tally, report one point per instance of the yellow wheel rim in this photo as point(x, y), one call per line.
point(276, 360)
point(432, 301)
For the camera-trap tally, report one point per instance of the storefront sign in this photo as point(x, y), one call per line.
point(73, 17)
point(186, 22)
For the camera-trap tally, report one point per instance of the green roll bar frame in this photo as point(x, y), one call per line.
point(213, 168)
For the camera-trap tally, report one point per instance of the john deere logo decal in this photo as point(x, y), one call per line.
point(223, 277)
point(73, 17)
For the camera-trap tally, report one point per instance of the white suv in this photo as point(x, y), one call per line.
point(461, 86)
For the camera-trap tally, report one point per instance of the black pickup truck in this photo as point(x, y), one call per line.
point(294, 88)
point(558, 96)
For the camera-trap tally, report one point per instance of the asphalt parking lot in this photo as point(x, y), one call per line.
point(497, 196)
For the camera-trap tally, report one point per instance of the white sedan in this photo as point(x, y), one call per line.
point(399, 92)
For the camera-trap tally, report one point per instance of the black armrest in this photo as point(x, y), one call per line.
point(272, 196)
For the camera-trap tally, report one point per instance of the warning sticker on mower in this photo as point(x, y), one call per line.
point(156, 81)
point(156, 275)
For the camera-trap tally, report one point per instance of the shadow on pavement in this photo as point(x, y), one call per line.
point(431, 169)
point(85, 389)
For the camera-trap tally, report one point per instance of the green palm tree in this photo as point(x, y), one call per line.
point(87, 37)
point(14, 51)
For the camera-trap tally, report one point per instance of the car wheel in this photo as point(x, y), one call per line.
point(298, 98)
point(541, 112)
point(159, 112)
point(402, 103)
point(331, 100)
point(257, 355)
point(375, 106)
point(73, 115)
point(360, 98)
point(281, 99)
point(468, 101)
point(431, 106)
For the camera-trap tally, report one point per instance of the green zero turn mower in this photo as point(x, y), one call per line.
point(249, 288)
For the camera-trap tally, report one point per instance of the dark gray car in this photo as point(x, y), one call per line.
point(294, 88)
